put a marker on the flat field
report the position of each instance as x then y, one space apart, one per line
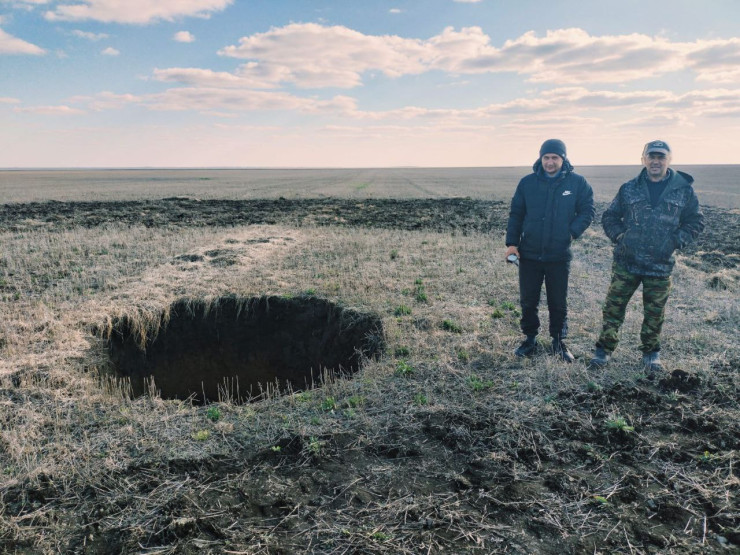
716 185
443 442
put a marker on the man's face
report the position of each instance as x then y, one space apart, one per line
656 164
551 163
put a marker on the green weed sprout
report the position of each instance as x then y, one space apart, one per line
419 292
402 310
329 404
404 369
451 326
477 384
213 414
619 424
201 435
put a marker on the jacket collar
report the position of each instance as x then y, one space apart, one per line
567 168
677 178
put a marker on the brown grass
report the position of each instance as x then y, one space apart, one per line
469 451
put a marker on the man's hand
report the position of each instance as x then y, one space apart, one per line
511 250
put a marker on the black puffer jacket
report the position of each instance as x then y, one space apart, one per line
645 237
546 216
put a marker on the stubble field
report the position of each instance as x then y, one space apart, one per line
444 442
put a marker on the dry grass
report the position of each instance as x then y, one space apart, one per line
464 449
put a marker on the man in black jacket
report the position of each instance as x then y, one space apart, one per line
551 207
652 215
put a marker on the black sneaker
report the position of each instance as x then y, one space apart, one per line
527 348
559 349
600 358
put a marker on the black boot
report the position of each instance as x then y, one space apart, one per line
559 349
527 348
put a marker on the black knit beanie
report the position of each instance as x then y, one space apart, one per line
553 146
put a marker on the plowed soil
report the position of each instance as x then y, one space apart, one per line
722 234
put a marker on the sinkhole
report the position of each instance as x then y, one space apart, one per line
239 348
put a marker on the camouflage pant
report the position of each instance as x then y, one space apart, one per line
655 291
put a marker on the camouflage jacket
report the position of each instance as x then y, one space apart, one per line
546 216
646 237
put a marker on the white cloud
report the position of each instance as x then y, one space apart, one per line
12 45
563 56
135 11
717 61
710 103
467 1
50 110
213 99
569 122
183 36
239 100
25 5
8 100
581 105
315 56
200 77
395 11
110 51
106 101
222 101
89 36
583 98
223 92
574 56
247 76
658 120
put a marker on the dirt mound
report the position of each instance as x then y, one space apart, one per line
237 348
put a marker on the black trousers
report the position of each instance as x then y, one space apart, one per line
555 275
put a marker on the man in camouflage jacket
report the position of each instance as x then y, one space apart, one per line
652 215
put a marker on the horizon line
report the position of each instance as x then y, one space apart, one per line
264 168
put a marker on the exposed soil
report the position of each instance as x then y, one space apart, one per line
233 348
722 233
417 479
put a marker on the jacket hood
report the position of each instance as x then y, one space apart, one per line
678 178
567 166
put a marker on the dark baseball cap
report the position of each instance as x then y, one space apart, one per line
657 146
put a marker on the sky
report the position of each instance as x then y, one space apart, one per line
365 83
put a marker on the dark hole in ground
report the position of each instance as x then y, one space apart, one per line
233 347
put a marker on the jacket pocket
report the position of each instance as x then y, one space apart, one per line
525 241
630 241
670 215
